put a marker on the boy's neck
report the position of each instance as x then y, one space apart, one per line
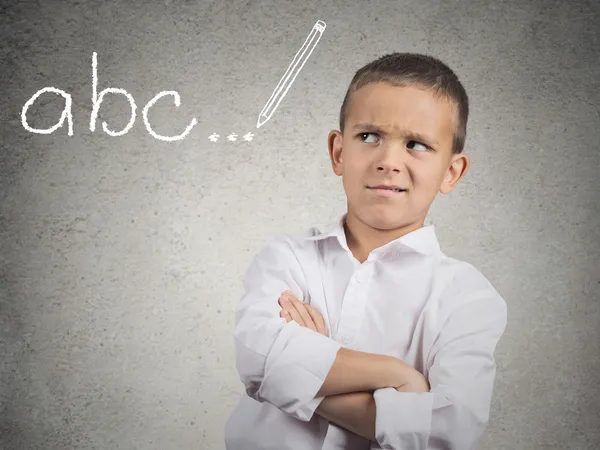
363 239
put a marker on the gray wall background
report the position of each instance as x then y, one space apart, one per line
122 257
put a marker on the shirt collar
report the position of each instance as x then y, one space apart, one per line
422 240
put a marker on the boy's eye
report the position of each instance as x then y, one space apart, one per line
411 144
418 143
363 137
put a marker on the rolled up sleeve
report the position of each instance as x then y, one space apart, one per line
462 370
280 363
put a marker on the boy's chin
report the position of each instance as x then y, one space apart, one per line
384 220
383 224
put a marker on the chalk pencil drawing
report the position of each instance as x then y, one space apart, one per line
291 73
277 96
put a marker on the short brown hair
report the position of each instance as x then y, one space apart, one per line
406 69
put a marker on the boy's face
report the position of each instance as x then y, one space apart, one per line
398 136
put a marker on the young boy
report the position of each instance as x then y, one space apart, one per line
369 336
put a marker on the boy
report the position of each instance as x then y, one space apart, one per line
368 336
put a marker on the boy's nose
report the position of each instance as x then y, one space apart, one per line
391 159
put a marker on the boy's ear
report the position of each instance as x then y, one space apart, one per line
456 171
335 143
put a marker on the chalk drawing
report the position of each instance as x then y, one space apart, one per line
277 96
291 73
232 137
97 101
66 113
177 102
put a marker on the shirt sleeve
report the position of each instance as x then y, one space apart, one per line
455 412
280 363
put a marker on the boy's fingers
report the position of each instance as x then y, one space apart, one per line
299 306
285 315
291 310
317 318
285 304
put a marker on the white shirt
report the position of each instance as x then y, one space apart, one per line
408 300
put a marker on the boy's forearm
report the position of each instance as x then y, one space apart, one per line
355 371
356 412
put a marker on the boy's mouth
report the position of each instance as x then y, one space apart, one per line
386 187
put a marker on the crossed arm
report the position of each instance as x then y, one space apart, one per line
293 365
349 385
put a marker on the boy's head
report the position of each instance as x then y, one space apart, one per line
403 122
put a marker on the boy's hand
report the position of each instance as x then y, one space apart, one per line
301 313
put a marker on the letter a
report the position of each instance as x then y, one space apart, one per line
66 112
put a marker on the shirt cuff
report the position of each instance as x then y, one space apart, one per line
403 419
296 372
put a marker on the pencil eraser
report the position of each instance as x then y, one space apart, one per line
320 25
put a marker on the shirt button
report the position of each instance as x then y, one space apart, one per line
346 340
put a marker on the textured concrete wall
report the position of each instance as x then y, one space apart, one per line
122 257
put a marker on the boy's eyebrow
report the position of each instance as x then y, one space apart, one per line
411 134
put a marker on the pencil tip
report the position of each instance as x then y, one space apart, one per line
260 122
